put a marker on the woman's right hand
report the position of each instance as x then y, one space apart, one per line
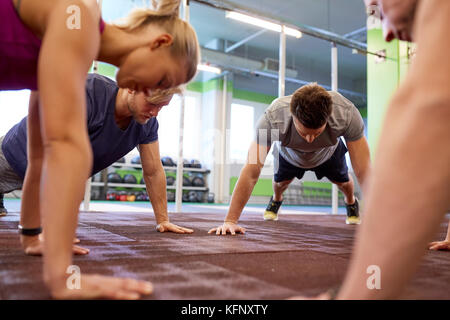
440 245
93 286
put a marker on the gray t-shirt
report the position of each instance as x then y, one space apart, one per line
276 125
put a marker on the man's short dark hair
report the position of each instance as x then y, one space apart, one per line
311 105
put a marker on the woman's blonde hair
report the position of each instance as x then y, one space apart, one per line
159 96
185 42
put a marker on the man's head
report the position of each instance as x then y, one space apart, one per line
311 106
143 107
397 17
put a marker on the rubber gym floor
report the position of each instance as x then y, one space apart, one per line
305 252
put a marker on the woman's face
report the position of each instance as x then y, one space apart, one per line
152 67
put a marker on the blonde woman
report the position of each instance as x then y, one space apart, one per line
48 46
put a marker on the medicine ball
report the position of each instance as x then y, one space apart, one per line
198 181
123 196
186 181
193 196
211 198
140 196
170 180
136 160
111 195
200 196
167 162
131 197
130 179
185 197
195 164
95 194
171 196
114 177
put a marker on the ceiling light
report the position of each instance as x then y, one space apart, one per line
207 68
262 23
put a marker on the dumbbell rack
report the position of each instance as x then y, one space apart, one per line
107 184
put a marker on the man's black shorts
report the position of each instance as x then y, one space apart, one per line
335 168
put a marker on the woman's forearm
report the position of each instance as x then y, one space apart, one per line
67 165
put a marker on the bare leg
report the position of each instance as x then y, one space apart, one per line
347 189
279 188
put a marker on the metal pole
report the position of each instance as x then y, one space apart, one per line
223 140
179 186
179 180
282 66
243 41
87 195
334 87
87 189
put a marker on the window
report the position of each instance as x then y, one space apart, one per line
169 128
14 106
241 131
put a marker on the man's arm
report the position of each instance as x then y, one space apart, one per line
415 139
360 158
247 179
155 181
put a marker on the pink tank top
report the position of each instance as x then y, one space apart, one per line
19 50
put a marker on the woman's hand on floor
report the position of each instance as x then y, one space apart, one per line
440 245
167 226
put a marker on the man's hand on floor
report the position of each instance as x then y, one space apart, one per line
167 226
227 227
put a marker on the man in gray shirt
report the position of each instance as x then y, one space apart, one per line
306 128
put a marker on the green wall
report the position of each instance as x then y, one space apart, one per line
262 188
383 79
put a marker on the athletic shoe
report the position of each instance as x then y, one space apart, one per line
271 212
3 210
353 213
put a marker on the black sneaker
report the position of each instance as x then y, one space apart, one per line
271 212
3 210
353 213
